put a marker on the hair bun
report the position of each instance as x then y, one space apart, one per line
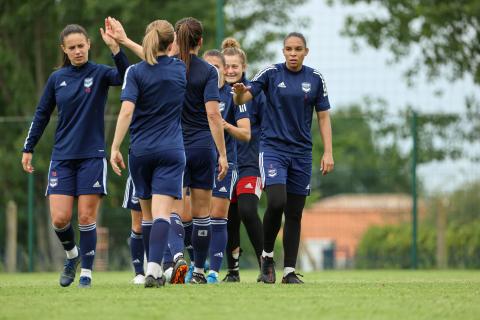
230 43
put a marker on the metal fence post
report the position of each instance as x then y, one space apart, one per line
414 191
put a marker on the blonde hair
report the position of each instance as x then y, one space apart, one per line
158 36
231 47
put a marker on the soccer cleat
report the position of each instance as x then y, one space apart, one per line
84 282
139 279
198 278
152 282
189 274
69 269
292 278
179 271
268 270
232 276
212 278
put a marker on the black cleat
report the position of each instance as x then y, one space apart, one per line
151 282
69 269
292 278
179 272
198 278
232 276
268 270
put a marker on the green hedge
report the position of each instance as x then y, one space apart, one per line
390 247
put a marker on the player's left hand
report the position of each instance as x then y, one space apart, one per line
327 163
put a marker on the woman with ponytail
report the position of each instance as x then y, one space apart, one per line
79 89
248 189
202 135
152 100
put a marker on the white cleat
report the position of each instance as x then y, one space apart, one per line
139 279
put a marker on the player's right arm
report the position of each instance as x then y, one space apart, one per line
40 121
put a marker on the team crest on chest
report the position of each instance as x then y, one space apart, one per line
87 83
306 87
221 106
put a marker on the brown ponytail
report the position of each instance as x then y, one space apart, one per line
189 32
159 35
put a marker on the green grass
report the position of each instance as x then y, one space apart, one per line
326 295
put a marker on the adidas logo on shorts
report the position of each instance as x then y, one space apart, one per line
248 186
223 189
97 185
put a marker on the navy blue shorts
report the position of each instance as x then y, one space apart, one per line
226 187
77 177
158 173
200 168
130 201
293 171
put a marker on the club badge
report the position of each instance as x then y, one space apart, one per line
306 87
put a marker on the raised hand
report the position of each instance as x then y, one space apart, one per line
109 41
114 29
240 88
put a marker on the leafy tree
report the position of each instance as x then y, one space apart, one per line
445 33
366 160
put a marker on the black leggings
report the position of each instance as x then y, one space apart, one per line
278 202
245 210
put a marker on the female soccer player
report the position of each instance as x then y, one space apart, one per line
152 98
79 89
248 190
292 90
237 126
202 132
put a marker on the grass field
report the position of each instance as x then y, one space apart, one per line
326 295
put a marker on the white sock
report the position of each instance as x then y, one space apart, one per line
267 254
236 255
288 270
72 253
198 270
86 273
154 269
177 255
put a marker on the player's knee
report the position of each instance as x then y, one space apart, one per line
60 222
87 217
